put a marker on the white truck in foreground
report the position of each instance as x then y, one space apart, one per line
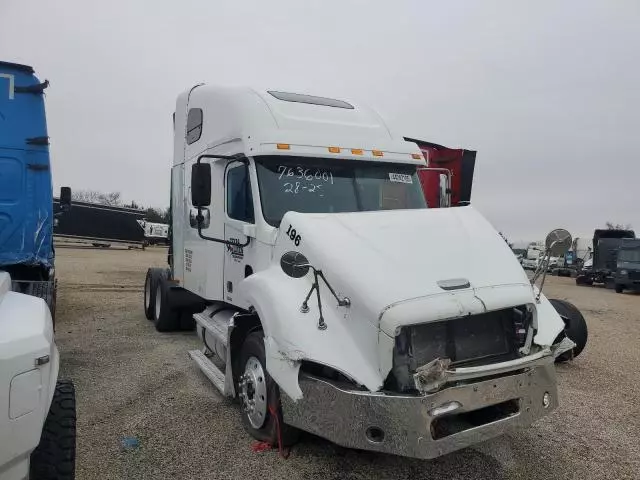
297 244
37 412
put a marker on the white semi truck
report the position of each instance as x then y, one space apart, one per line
297 244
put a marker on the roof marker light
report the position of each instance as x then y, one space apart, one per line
416 156
356 151
334 149
377 153
283 146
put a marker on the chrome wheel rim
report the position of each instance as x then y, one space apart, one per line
253 392
158 301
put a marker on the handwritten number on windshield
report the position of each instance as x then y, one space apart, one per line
311 180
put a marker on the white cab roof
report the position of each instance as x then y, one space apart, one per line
253 122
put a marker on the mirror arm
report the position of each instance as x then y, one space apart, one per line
200 219
342 302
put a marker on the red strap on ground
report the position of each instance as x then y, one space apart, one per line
284 452
259 447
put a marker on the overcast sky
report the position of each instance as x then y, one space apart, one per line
548 92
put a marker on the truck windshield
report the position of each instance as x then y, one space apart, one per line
313 185
631 256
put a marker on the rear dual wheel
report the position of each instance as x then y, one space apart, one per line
154 275
157 307
165 318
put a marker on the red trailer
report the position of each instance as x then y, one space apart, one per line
448 178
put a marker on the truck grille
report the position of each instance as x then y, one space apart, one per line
634 275
472 340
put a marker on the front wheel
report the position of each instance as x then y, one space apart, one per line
55 456
260 396
575 327
619 288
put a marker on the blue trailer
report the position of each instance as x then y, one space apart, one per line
26 198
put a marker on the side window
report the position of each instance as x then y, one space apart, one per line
194 125
239 198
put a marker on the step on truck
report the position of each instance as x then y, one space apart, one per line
37 410
328 298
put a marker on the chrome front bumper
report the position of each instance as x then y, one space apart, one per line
412 425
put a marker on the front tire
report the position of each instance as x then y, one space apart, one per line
575 327
260 396
55 456
619 288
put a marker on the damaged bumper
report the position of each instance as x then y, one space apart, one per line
426 425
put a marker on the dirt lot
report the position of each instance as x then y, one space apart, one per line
134 382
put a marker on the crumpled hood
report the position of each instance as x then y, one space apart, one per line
389 259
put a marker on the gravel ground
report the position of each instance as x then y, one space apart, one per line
134 382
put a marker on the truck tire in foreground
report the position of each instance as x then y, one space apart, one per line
55 455
260 396
575 327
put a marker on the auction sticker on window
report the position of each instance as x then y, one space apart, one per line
400 178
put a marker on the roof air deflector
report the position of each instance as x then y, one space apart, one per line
311 99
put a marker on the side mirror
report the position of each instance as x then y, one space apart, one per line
65 198
294 264
558 242
201 185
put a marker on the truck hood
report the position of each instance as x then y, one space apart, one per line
447 262
397 268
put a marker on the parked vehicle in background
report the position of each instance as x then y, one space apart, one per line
606 243
329 299
155 233
534 252
447 179
100 224
627 274
37 412
26 214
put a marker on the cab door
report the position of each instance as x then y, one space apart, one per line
239 261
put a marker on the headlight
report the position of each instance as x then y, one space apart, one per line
623 272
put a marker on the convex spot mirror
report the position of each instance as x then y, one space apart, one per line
201 185
294 264
558 242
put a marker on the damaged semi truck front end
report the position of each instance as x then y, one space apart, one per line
417 359
328 297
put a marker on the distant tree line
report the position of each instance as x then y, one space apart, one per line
114 199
